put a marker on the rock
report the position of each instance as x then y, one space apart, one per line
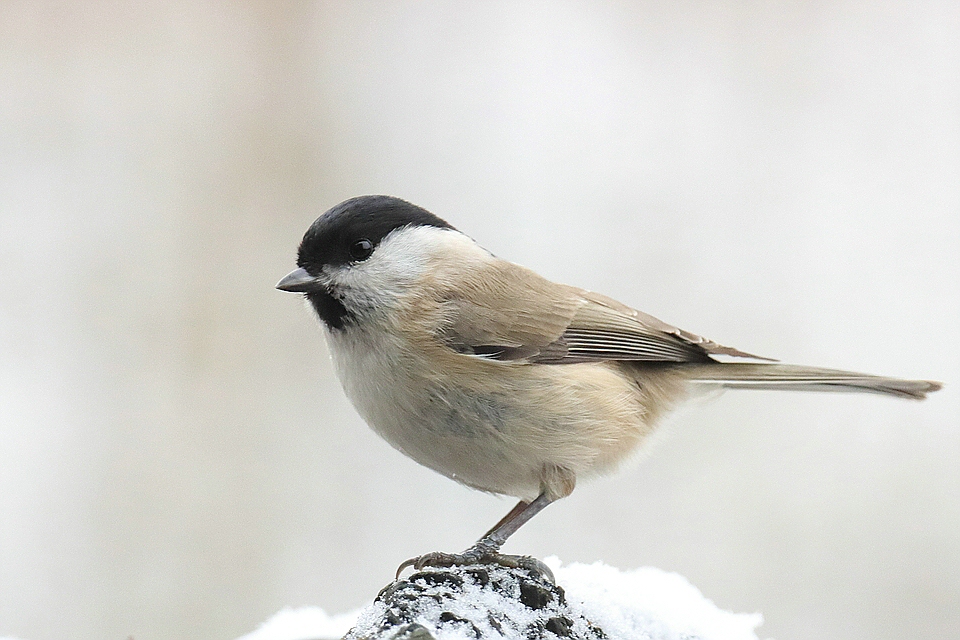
477 601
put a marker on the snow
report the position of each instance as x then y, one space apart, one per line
648 602
303 623
643 603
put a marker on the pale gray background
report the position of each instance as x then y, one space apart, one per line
177 460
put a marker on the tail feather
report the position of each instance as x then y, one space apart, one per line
800 378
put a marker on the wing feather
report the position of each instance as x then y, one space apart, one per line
510 313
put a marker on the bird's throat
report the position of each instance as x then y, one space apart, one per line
329 308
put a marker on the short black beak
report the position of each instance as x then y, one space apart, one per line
298 281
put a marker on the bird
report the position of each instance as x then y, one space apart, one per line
498 378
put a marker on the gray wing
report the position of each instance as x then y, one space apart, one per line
518 316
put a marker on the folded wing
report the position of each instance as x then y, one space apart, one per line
513 314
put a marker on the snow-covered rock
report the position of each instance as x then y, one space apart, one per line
589 602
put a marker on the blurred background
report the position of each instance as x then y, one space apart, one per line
176 456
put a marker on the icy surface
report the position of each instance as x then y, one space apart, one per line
644 603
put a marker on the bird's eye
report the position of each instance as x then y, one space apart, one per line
361 249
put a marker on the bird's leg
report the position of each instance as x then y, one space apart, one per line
487 548
517 517
520 506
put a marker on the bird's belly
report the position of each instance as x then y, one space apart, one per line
490 425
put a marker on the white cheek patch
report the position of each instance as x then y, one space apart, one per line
397 264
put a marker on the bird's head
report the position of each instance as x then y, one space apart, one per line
357 254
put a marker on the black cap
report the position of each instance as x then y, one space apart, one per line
372 218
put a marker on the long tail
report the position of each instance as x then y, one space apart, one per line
737 375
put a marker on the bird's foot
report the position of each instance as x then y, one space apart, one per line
478 554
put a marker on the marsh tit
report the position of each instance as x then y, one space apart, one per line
498 378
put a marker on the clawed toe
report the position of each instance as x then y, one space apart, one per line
478 555
437 559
